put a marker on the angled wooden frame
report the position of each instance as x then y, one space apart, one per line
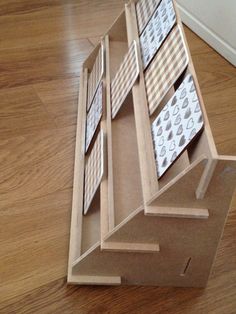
141 230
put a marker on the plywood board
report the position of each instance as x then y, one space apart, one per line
189 246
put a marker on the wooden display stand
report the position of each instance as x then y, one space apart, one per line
141 230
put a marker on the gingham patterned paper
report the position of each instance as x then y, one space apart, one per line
94 169
94 115
166 68
157 30
95 76
144 10
124 79
177 125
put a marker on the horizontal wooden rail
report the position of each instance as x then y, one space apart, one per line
95 280
130 247
177 212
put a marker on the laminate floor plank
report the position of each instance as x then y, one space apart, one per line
34 240
42 63
26 23
60 99
36 164
22 112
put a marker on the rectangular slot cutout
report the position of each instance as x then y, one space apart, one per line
186 267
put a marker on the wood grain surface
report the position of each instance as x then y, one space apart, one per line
42 46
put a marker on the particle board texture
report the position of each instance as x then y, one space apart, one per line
43 45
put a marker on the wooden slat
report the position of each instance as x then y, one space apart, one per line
96 280
77 202
177 212
143 129
130 247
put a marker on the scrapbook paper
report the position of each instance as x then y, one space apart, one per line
94 169
144 10
94 115
157 30
177 125
124 79
167 66
95 76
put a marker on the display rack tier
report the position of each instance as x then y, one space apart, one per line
141 229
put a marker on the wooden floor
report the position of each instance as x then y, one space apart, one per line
42 46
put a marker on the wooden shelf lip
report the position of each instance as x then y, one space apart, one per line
143 128
77 203
178 212
94 280
131 247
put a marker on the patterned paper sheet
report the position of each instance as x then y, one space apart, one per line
95 76
177 125
94 115
157 30
145 9
124 79
167 66
94 169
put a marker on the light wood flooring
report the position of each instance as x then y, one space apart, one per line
42 46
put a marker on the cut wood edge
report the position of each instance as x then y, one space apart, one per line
92 57
110 209
77 198
205 179
174 181
208 173
144 138
94 280
227 157
120 225
130 247
81 257
178 212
